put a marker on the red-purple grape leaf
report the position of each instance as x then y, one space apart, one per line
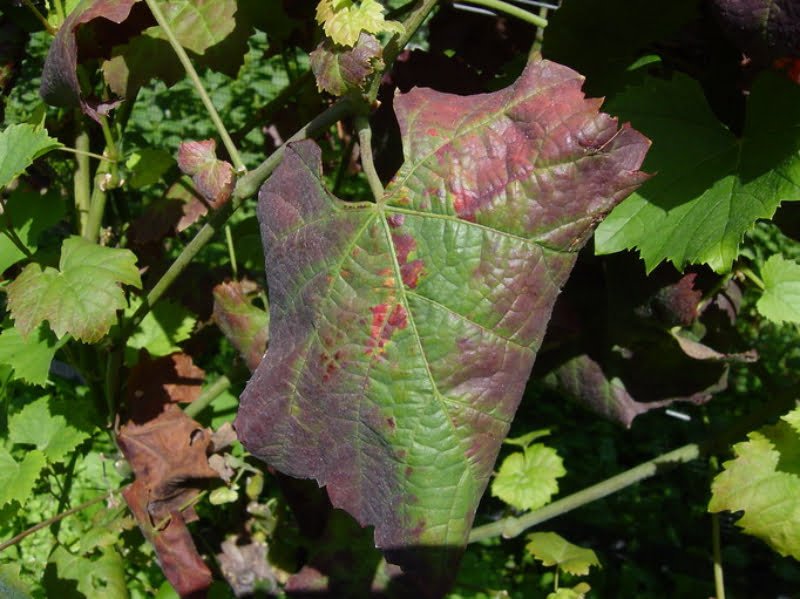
403 331
60 85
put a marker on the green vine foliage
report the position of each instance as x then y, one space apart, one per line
472 254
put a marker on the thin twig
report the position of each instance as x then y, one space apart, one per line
198 85
367 162
37 527
512 527
83 153
40 17
719 581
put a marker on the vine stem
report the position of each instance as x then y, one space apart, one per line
79 152
367 162
46 523
719 581
515 526
512 10
212 392
192 73
40 17
82 179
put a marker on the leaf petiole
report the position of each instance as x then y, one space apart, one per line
513 11
367 162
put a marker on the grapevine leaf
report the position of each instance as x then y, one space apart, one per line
709 192
38 424
764 481
245 325
166 325
528 479
168 455
30 356
339 71
17 478
20 145
214 178
60 86
344 20
81 297
781 299
577 592
100 576
29 214
402 332
554 550
147 166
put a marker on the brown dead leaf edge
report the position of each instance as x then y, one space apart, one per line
169 456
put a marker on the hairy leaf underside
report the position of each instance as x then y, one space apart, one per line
403 331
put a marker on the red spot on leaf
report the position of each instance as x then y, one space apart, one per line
396 220
411 272
384 324
465 206
403 246
432 132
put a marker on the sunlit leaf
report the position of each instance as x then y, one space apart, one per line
341 70
710 187
81 297
344 20
763 481
49 432
402 332
30 214
554 550
98 577
528 479
780 301
164 327
17 478
30 356
20 145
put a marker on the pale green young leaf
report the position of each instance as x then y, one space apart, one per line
709 187
344 20
554 550
81 297
780 301
17 478
101 577
30 356
36 424
29 213
528 479
164 327
528 438
20 145
577 592
763 481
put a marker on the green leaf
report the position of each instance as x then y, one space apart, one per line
81 297
763 480
30 356
17 478
100 577
30 214
146 166
577 592
709 187
554 550
37 424
780 301
20 145
165 326
528 479
344 20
